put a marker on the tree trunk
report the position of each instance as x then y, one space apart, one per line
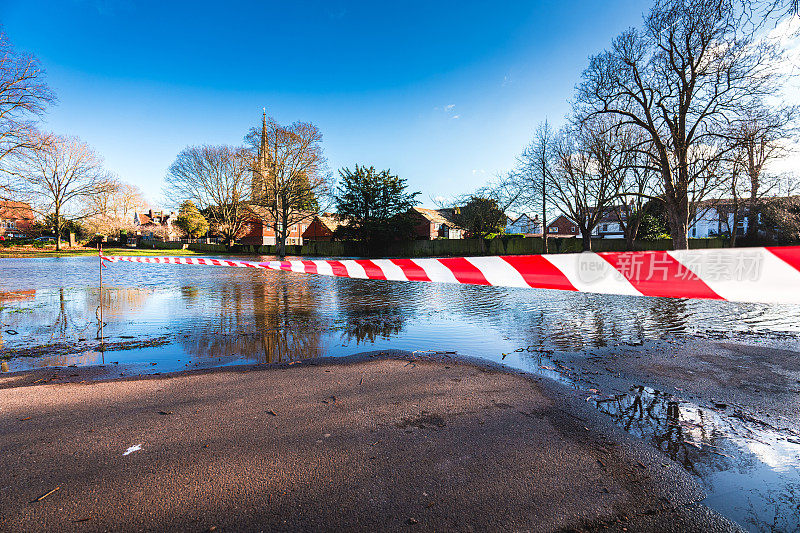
630 238
58 229
680 239
281 249
752 216
544 222
586 240
734 224
678 216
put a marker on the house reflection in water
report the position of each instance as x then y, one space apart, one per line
657 416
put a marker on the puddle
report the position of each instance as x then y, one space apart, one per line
751 472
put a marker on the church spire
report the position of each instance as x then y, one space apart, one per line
263 147
258 184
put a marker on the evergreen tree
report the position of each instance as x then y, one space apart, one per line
480 216
191 220
375 205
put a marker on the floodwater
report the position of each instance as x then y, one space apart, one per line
160 318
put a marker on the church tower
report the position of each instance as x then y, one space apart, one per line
261 168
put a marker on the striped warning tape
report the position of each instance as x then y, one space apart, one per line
741 274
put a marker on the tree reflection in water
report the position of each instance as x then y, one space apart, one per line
268 322
654 414
372 310
369 327
750 471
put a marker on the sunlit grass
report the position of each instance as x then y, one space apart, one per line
30 251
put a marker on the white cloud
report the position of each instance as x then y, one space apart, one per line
449 110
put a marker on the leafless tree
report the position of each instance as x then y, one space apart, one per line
217 180
535 170
586 176
505 192
680 80
290 179
759 138
637 185
23 98
59 176
114 208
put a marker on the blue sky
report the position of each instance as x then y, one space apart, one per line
446 94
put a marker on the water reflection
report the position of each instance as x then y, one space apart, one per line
752 471
217 313
652 414
371 311
268 324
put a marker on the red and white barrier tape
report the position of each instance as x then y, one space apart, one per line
739 274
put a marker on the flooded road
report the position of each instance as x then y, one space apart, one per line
161 318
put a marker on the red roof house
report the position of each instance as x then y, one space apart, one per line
16 218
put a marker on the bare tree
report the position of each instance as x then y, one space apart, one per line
637 185
217 180
759 138
290 180
680 80
114 207
586 177
23 98
535 171
59 176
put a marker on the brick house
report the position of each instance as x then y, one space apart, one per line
259 230
562 227
430 224
322 227
16 219
156 225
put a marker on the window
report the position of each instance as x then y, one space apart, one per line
573 229
553 230
604 227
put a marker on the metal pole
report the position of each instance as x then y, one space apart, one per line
100 256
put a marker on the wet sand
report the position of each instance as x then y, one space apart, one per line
359 443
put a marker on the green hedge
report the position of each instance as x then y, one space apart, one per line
454 247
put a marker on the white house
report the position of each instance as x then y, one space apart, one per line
524 223
715 219
609 226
